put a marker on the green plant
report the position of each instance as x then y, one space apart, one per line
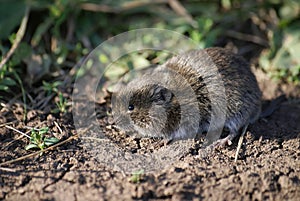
9 78
5 81
62 104
39 141
136 176
51 87
282 60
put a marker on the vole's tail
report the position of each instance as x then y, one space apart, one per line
272 106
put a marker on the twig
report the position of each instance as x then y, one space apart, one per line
240 143
98 8
126 6
135 4
180 10
7 169
5 124
9 127
14 100
32 128
60 130
19 36
44 102
247 37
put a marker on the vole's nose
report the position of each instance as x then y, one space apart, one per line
119 121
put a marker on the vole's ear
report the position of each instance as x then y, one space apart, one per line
160 94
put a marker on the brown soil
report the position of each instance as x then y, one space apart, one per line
268 167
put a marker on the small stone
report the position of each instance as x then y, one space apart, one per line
70 176
284 180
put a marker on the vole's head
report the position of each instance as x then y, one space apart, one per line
151 110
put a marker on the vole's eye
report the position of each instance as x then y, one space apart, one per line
131 107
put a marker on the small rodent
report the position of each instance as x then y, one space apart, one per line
156 109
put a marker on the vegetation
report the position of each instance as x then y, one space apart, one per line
39 141
136 176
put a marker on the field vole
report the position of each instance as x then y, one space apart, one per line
178 99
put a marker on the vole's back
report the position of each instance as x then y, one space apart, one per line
207 71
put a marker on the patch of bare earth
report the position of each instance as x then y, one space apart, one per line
268 167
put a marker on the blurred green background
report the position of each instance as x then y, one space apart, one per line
42 40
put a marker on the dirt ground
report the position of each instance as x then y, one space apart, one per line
268 167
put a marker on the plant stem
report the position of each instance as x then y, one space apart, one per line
9 127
